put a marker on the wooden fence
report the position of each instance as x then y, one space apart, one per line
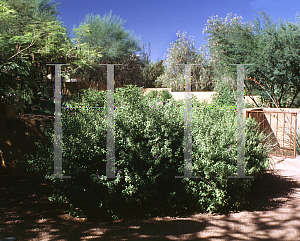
280 127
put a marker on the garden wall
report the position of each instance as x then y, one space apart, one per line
146 90
207 95
69 88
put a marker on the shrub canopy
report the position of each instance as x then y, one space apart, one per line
149 152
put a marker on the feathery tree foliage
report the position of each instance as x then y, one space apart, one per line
277 60
183 51
24 40
273 48
118 45
31 36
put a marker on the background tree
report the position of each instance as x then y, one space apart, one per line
277 65
27 26
117 43
151 72
140 71
148 71
229 42
271 47
81 64
131 72
183 51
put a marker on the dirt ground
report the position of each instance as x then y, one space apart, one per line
273 214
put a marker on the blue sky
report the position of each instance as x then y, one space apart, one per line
158 21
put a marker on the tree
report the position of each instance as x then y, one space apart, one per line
183 51
108 33
271 47
277 60
31 37
26 26
229 42
130 73
140 71
83 49
145 72
151 72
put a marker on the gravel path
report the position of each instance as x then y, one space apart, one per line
274 214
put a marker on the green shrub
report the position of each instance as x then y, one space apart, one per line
93 98
165 95
224 95
160 95
149 144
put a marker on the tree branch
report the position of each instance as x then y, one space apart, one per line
265 91
251 96
293 99
32 43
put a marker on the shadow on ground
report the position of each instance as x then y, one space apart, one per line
27 214
269 191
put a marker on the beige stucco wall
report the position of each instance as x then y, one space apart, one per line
71 87
146 90
201 96
207 95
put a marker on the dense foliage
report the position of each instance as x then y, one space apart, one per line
272 48
149 136
30 36
149 140
162 95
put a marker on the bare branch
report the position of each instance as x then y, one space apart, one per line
251 96
274 101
